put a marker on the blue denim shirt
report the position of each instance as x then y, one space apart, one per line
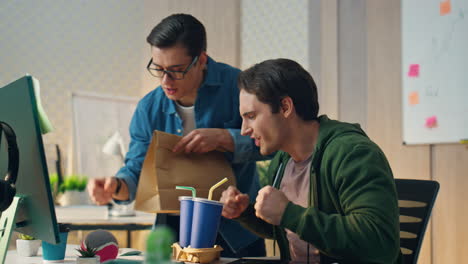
216 106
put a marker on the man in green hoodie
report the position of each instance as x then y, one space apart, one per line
329 194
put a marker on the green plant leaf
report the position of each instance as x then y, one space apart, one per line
53 178
88 252
262 169
26 237
82 184
74 183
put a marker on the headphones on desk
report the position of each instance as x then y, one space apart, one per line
7 186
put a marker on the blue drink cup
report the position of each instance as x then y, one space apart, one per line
205 222
55 253
185 227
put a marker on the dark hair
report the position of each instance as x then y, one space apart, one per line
179 29
273 80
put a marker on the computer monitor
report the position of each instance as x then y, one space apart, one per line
32 211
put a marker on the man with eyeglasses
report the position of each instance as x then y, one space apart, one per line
198 99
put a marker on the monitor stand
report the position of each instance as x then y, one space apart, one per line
7 225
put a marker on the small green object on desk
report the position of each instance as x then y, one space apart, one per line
131 253
124 261
158 245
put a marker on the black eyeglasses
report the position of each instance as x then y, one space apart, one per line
175 75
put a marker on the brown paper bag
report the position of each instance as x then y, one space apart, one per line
163 170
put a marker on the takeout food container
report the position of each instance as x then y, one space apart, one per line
196 255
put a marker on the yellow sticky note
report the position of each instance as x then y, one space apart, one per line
413 98
445 8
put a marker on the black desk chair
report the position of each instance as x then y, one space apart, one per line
415 199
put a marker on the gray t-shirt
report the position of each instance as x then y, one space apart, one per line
296 186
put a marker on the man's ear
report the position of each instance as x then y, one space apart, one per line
287 106
203 59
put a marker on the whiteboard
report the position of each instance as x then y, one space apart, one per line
95 119
434 71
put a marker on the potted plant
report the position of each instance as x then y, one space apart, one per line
72 191
27 246
55 184
87 255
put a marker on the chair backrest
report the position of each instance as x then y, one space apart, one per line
415 199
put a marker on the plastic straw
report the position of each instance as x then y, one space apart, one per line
194 192
210 194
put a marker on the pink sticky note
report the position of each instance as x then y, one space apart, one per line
413 70
431 122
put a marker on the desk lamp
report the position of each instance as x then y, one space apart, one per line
115 146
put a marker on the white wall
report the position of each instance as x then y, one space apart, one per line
98 47
71 46
274 29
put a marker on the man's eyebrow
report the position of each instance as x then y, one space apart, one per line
248 113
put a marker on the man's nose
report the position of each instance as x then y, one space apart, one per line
166 79
245 130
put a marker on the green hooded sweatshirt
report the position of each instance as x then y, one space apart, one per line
353 214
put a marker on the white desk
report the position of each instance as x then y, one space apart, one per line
141 221
70 257
76 217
